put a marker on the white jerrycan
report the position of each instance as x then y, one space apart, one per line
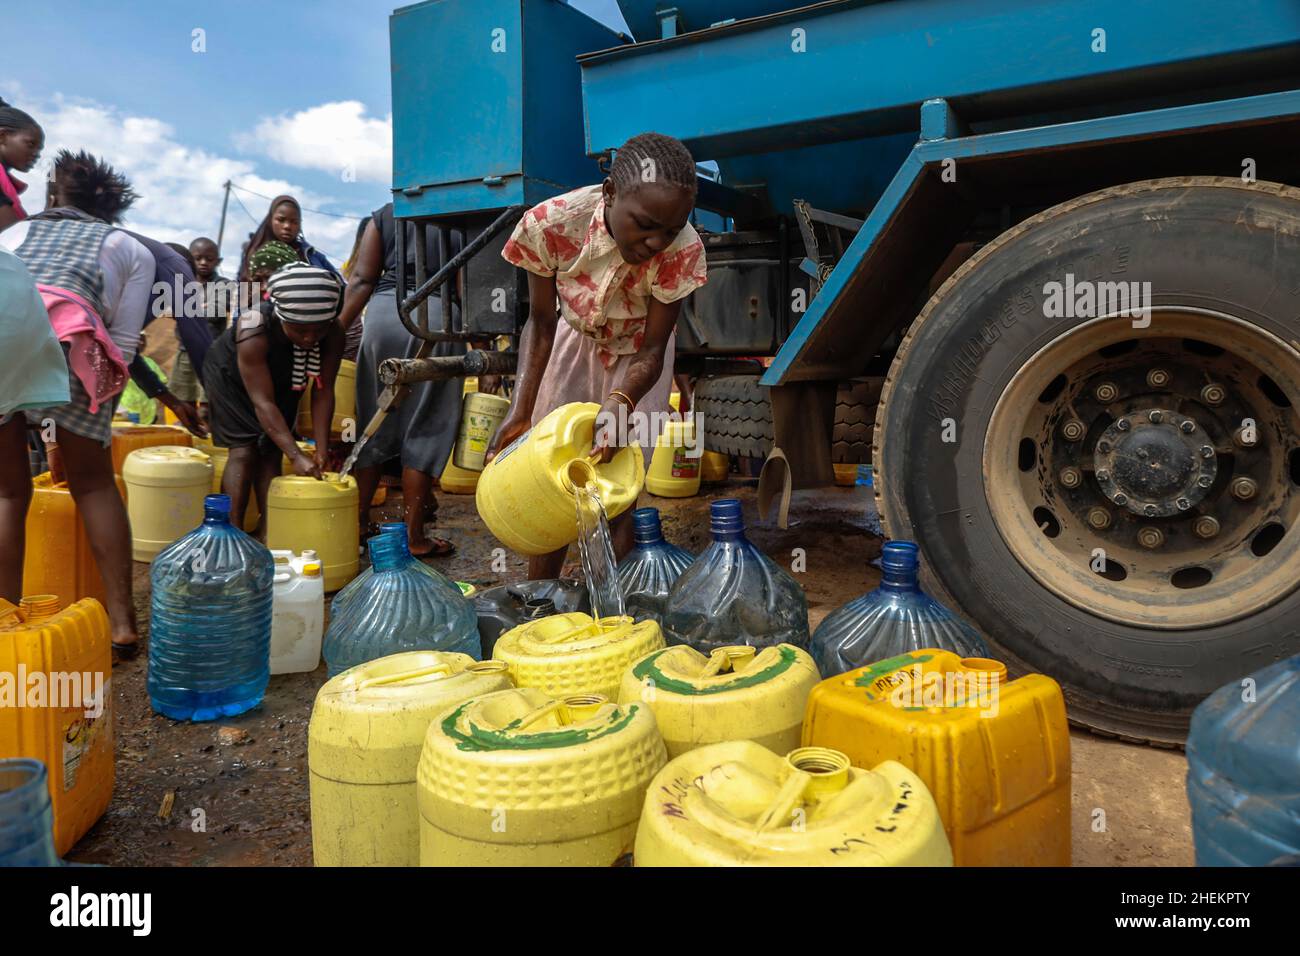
297 612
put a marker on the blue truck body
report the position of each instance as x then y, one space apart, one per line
854 155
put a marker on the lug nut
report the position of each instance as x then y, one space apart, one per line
1183 504
1070 477
1157 378
1119 498
1103 446
1244 488
1206 526
1122 424
1188 427
1204 481
1245 437
1154 416
1151 537
1099 518
1103 474
1107 392
1149 510
1213 394
1073 430
1207 451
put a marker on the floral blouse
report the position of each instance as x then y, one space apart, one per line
600 295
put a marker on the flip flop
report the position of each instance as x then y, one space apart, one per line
125 652
441 548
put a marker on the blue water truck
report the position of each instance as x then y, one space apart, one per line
1037 261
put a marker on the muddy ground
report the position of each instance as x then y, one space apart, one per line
234 792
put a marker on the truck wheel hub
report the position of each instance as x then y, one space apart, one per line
1153 464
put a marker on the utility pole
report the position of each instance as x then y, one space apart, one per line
221 230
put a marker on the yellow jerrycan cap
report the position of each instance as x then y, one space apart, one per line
575 654
738 803
736 693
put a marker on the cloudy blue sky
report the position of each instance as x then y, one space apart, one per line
285 97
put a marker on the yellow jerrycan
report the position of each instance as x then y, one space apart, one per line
457 481
58 559
307 513
345 402
525 494
675 466
129 437
736 693
363 746
739 804
714 466
573 654
481 415
165 488
517 778
58 709
994 753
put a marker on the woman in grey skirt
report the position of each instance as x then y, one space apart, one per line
422 429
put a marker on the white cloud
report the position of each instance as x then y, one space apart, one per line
332 137
180 186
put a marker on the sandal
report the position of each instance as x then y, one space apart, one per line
125 652
438 548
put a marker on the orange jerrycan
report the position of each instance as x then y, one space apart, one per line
58 559
994 753
56 704
129 437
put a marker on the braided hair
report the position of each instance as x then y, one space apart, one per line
91 185
653 158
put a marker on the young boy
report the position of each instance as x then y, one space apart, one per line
614 260
218 302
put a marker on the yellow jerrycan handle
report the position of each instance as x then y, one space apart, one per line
427 674
730 658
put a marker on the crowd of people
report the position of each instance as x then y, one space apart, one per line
77 290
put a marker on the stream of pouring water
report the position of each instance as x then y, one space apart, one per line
597 550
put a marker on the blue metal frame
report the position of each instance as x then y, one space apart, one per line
933 151
867 66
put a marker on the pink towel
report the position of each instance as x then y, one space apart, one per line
92 356
10 188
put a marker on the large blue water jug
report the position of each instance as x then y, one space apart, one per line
895 618
1243 770
359 582
651 568
734 594
210 628
26 818
403 606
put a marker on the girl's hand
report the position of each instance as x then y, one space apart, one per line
512 426
305 467
605 439
321 457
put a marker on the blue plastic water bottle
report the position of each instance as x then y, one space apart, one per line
210 632
1243 770
895 618
403 606
26 819
651 568
734 594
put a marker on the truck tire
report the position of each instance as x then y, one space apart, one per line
1081 482
855 419
736 415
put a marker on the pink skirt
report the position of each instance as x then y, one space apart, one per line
575 374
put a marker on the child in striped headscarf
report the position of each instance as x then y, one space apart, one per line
256 370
